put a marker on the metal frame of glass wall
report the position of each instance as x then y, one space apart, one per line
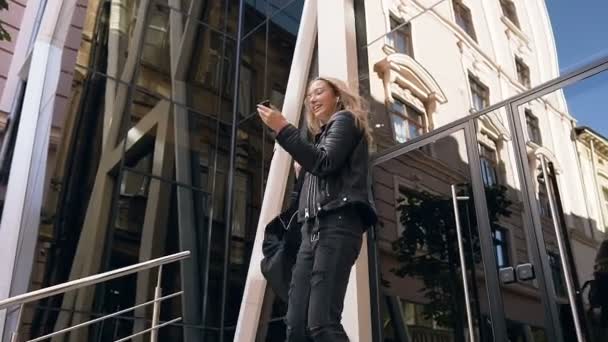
545 281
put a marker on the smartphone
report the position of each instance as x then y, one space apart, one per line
265 103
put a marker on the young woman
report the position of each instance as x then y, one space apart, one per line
335 206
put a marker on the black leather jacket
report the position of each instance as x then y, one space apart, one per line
336 165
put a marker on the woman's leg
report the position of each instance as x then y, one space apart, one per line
336 250
299 291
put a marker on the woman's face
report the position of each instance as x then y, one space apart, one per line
321 100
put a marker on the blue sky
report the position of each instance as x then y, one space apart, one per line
581 35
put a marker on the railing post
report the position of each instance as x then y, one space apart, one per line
15 334
156 310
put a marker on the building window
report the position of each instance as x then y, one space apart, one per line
499 237
543 196
480 94
246 91
533 127
543 201
508 9
464 18
401 38
156 46
557 273
523 72
489 164
208 70
408 122
415 317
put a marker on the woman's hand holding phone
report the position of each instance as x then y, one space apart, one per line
271 116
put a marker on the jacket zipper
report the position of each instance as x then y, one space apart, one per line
307 207
314 197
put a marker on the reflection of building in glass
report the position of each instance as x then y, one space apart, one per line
142 152
478 55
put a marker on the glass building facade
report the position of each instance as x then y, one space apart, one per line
157 107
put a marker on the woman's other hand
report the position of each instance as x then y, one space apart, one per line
272 118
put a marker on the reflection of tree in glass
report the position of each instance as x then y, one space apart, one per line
3 33
428 248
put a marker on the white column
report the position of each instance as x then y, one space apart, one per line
21 216
24 41
338 58
255 285
117 40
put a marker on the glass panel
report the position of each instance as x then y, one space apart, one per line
569 23
143 178
522 299
267 58
145 226
421 274
211 74
568 157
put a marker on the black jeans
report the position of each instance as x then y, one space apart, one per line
320 277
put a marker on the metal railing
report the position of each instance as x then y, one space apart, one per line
22 300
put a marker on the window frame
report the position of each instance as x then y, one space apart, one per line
480 90
523 72
404 33
509 11
406 117
464 18
210 78
533 127
489 162
154 53
605 201
504 246
543 194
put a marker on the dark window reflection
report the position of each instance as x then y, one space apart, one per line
533 127
523 72
557 273
208 67
489 164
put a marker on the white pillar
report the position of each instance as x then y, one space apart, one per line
117 41
338 59
255 285
21 215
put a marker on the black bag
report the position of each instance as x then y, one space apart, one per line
280 248
282 239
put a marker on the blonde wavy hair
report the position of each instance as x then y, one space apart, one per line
349 100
